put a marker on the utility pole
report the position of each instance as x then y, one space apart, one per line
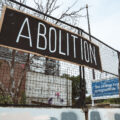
89 30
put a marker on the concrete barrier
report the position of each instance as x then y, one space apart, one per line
41 114
104 114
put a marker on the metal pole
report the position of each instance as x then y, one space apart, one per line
82 81
119 71
89 30
80 85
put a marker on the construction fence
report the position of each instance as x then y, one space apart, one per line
27 79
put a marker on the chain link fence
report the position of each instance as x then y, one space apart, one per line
47 82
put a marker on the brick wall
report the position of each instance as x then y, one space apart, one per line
5 74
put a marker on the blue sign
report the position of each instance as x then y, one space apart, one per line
105 88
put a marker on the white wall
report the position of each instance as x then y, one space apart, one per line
104 114
41 87
10 113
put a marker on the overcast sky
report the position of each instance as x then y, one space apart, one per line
104 18
105 21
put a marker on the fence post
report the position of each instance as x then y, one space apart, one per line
119 70
82 82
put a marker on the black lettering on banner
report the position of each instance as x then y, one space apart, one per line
30 34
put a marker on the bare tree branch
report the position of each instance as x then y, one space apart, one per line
39 5
72 14
20 7
49 7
